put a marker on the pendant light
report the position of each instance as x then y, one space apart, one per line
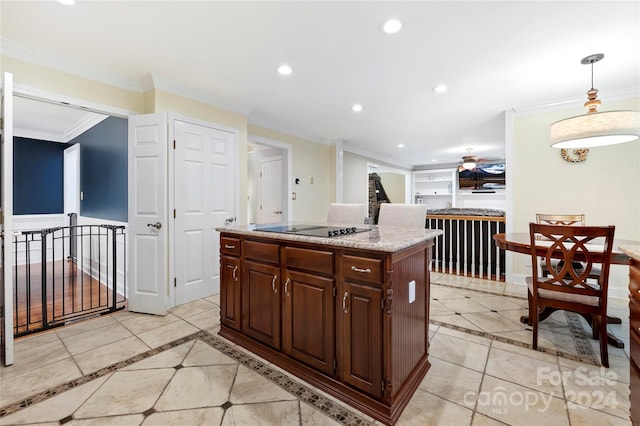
595 128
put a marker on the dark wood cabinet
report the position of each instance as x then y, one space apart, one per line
308 330
634 339
261 302
353 322
230 287
230 292
361 338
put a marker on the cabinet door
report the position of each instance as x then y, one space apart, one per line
230 292
361 359
261 302
308 320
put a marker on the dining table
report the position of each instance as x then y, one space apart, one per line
520 242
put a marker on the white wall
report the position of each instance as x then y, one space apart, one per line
394 186
606 187
355 179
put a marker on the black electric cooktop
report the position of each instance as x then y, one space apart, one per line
313 230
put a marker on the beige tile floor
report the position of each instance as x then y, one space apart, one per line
132 369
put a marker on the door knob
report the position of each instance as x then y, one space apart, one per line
156 225
278 212
230 220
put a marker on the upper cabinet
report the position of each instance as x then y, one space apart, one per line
436 188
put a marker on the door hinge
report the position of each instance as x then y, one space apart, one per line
174 144
382 387
175 282
335 291
335 365
174 213
382 304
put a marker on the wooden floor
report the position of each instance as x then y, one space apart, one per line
71 295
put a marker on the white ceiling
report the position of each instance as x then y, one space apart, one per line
494 56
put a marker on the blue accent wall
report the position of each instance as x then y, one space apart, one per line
103 170
38 176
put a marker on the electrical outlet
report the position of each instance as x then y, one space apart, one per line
412 291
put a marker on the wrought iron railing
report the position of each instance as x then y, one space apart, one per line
66 274
466 246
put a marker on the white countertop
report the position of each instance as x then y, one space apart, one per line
385 238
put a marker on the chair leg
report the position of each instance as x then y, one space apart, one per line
532 308
604 341
533 320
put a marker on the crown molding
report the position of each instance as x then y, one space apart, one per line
68 65
268 124
376 157
153 81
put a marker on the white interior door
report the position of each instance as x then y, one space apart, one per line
204 198
148 285
6 152
271 190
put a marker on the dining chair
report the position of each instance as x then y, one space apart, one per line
567 220
567 289
408 215
342 214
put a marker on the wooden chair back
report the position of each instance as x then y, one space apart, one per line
564 285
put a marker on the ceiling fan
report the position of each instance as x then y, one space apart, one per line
470 161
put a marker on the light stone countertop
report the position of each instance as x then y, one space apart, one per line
386 238
631 250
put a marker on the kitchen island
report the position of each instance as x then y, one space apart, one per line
348 313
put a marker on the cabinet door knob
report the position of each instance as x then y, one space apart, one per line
344 302
234 273
273 284
286 287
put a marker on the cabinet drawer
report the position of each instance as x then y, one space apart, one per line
634 283
230 246
264 252
362 269
310 260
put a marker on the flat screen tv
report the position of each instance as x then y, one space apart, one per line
484 177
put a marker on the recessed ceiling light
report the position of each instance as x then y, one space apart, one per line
67 2
285 69
357 108
434 160
391 26
440 88
400 145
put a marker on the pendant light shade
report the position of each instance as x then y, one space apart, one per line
595 128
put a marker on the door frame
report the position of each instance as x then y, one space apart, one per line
287 170
6 155
172 118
